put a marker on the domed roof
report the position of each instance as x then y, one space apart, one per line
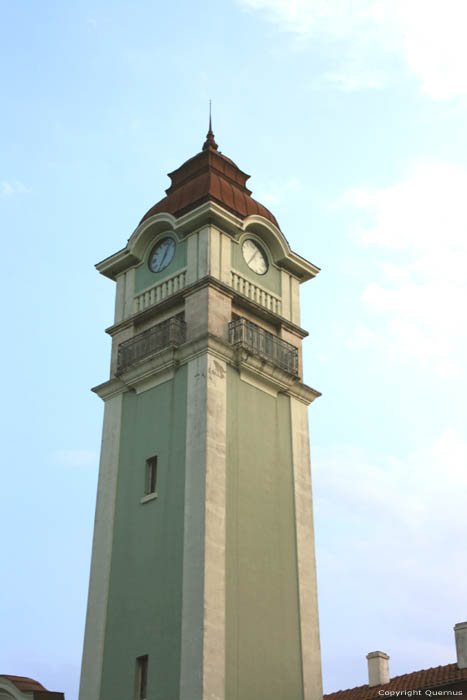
209 176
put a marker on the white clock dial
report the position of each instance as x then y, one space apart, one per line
254 256
161 255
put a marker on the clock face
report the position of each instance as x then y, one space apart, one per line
162 254
255 257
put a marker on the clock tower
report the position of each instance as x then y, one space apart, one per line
203 581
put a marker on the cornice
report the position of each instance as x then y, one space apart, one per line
113 387
162 366
296 265
117 263
208 281
208 213
273 376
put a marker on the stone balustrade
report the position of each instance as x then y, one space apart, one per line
256 293
159 291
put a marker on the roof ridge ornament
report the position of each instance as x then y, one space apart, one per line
210 142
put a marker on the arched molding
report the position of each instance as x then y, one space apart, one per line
148 232
269 233
209 212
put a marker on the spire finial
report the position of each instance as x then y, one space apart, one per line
210 143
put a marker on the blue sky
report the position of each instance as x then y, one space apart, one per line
350 117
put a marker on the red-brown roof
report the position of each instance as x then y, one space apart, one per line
36 689
25 684
428 678
209 176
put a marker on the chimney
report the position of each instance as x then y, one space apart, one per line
460 633
378 668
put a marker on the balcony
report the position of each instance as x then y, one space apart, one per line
247 335
169 333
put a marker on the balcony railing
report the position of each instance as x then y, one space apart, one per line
248 335
169 333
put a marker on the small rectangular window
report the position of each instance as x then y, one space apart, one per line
141 677
151 476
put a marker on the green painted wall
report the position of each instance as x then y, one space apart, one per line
144 609
143 275
262 612
271 280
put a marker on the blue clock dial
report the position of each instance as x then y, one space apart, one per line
162 254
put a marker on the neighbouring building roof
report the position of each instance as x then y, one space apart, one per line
436 677
23 683
209 176
29 685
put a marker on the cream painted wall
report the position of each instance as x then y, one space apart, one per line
203 608
91 670
308 591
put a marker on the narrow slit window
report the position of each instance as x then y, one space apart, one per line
141 677
151 476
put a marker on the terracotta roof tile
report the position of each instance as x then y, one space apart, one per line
428 678
209 176
27 685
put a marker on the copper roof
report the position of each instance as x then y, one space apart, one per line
209 176
428 678
28 685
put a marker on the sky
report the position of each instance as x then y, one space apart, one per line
350 117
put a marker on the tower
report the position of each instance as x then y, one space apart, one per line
203 582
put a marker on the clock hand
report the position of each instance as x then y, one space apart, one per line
165 254
253 256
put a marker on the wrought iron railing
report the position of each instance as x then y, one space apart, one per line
248 335
169 333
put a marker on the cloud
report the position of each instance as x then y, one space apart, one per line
274 194
427 36
421 223
339 18
398 518
76 458
351 81
10 189
433 35
428 483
